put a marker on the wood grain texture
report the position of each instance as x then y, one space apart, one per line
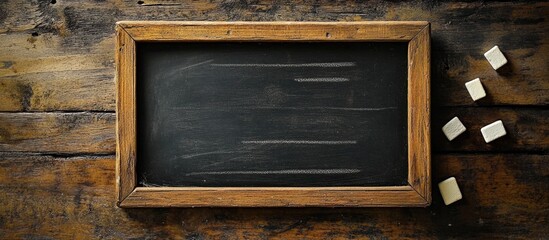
35 75
126 126
57 132
419 113
272 31
274 197
77 201
66 90
527 129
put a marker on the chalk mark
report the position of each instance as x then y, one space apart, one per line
195 65
179 70
327 79
287 108
282 65
298 142
187 156
289 171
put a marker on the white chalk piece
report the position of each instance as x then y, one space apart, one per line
493 131
453 128
495 57
475 89
449 190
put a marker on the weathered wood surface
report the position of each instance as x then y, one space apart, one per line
527 129
126 114
58 56
74 198
419 119
57 132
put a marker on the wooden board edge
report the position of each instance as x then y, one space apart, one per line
252 189
146 197
419 113
130 23
125 114
272 31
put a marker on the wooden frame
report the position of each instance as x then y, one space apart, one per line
418 191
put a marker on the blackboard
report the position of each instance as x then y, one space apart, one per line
271 114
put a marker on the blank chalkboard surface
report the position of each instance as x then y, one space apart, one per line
249 114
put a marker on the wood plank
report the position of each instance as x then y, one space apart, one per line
57 132
94 132
126 126
379 31
55 64
51 91
419 113
65 34
23 15
274 197
25 53
517 83
502 199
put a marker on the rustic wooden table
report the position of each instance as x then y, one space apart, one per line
57 104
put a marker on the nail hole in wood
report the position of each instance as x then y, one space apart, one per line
35 34
140 2
328 35
229 32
